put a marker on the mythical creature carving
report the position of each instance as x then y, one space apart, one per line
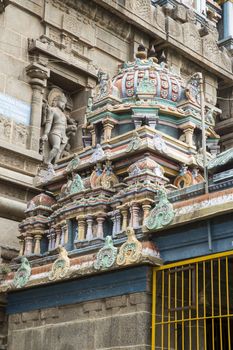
162 214
23 273
103 177
60 266
73 164
131 251
58 127
106 256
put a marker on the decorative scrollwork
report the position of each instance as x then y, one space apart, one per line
130 251
106 256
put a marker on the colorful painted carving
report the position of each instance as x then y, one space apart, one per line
60 266
162 214
106 256
104 178
130 251
187 178
23 273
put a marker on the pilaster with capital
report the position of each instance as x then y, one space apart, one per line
81 227
89 235
39 75
108 125
37 238
100 230
28 245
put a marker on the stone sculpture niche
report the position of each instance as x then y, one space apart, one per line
58 127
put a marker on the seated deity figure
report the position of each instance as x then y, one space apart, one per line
55 129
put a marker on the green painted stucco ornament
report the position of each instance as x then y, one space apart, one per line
77 184
162 214
106 256
23 273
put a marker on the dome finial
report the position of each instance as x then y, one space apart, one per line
141 53
152 54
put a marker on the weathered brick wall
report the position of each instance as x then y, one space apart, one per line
119 323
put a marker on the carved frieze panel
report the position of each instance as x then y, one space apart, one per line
210 49
80 29
141 8
12 132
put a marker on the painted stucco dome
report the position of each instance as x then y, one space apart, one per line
42 201
145 76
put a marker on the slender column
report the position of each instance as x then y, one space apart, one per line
228 19
93 135
28 245
118 221
39 75
81 228
53 240
58 236
21 244
108 125
124 213
134 210
100 231
113 218
49 236
89 235
189 136
37 244
146 210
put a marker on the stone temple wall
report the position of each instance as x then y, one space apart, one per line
120 323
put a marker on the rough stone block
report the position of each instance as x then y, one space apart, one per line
2 82
92 306
30 316
120 301
139 298
49 313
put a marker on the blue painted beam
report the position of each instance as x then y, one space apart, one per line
115 283
192 240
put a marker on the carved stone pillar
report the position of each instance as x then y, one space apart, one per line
58 236
37 244
134 218
93 135
81 228
118 221
53 240
89 235
39 75
100 231
108 125
146 210
189 136
124 213
21 244
113 218
50 240
28 245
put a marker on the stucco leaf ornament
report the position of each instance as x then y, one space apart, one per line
135 143
60 266
162 214
159 143
73 164
106 256
77 184
130 252
23 273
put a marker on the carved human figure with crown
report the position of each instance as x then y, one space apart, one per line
57 129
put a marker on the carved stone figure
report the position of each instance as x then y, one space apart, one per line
162 214
23 273
60 266
58 128
106 256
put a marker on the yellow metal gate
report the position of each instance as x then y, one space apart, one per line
192 304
